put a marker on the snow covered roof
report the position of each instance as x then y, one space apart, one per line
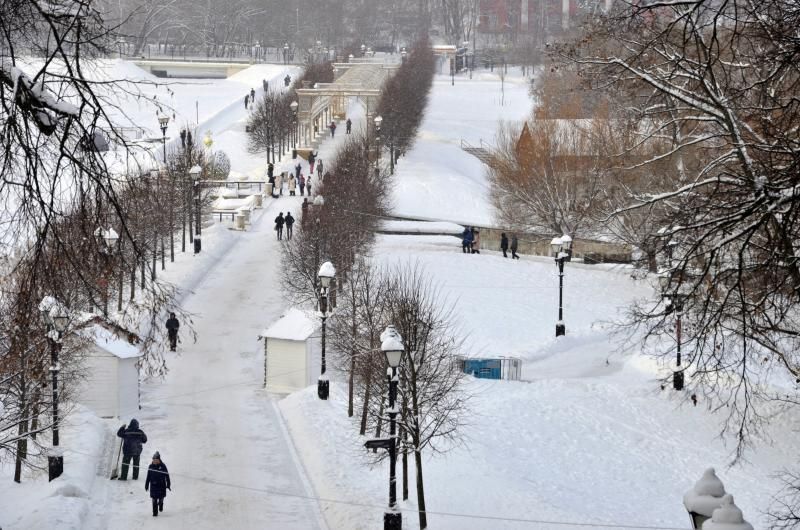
110 342
295 324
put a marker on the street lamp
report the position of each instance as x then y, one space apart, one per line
703 498
378 121
286 53
207 140
326 274
403 55
57 319
562 250
293 105
195 174
258 51
392 347
163 121
363 49
673 300
107 241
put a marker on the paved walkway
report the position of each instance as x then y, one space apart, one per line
216 429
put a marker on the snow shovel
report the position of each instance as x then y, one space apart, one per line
115 471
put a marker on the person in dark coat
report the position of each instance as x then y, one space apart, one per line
504 244
183 138
302 183
311 159
308 184
157 482
297 170
172 331
279 225
514 244
287 80
289 220
476 241
253 95
466 241
246 100
270 170
132 439
349 125
304 210
332 127
319 169
265 85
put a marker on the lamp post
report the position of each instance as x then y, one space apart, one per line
674 300
286 53
258 51
163 121
562 250
57 320
195 174
326 274
378 121
293 105
392 347
403 55
107 241
703 498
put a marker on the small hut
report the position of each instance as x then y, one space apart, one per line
109 371
291 352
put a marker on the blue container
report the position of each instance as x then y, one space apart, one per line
483 368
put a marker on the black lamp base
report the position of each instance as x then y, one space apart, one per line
197 245
561 330
323 387
677 380
392 521
55 467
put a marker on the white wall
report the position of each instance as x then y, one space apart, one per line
128 387
98 389
286 365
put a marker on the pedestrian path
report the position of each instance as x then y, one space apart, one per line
215 427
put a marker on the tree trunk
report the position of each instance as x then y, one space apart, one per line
423 518
365 405
403 436
22 442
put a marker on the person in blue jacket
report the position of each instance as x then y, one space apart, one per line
158 483
466 241
132 439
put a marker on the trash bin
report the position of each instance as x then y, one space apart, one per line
294 154
197 245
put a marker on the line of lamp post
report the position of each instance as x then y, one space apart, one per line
326 275
57 319
674 300
562 250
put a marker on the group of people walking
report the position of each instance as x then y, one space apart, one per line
157 481
282 221
471 242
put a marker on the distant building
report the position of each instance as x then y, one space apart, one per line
535 19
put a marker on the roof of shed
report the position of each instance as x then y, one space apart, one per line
295 324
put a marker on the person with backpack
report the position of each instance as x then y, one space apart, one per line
466 241
132 439
279 225
172 331
157 482
514 247
289 220
504 244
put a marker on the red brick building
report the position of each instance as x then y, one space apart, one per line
527 17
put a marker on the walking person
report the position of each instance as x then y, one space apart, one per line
466 241
158 483
332 127
253 95
270 170
172 331
289 220
265 85
278 189
319 169
292 184
349 125
303 211
132 439
302 185
279 225
514 244
476 241
504 244
308 185
246 100
311 159
297 170
287 80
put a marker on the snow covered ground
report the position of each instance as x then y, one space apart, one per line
580 440
436 179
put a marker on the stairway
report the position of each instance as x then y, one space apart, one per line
481 153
